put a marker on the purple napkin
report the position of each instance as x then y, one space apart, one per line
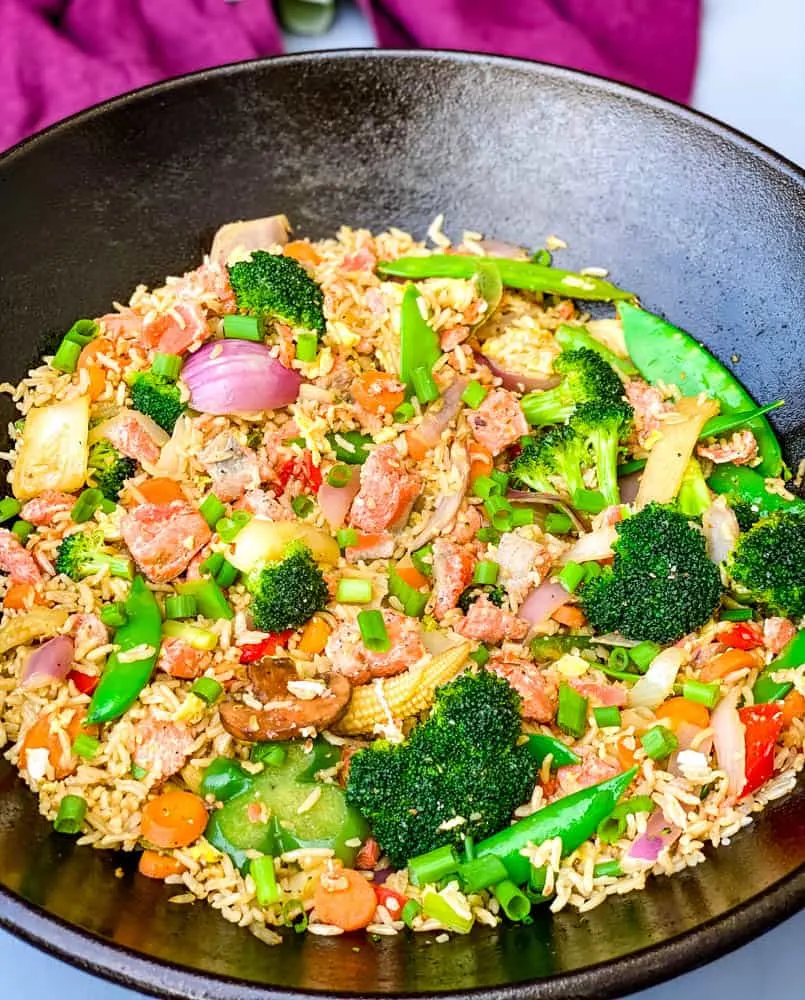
60 56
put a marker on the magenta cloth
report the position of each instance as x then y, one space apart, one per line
59 56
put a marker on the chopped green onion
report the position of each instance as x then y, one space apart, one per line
82 332
265 880
522 516
198 638
66 357
302 505
207 688
9 507
537 877
642 654
85 746
443 909
353 590
70 816
227 574
589 501
404 412
513 902
608 869
373 631
572 714
297 442
238 327
425 385
180 606
430 867
702 694
351 447
114 615
542 257
485 487
423 559
137 772
481 873
413 601
486 572
469 846
591 570
491 535
474 395
167 365
500 512
22 529
613 827
618 659
480 655
211 509
607 715
571 576
339 475
307 347
86 505
209 597
501 478
410 912
212 564
557 523
229 528
736 614
346 537
108 506
659 742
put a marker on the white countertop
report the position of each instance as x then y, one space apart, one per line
752 76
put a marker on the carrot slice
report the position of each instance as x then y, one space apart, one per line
349 908
727 663
160 490
152 864
18 596
481 463
173 819
314 637
411 575
42 737
86 362
677 710
626 756
569 615
375 390
302 252
793 707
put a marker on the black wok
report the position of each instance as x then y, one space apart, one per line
708 227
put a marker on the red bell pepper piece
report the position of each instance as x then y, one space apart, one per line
266 647
301 469
741 636
85 683
392 900
762 727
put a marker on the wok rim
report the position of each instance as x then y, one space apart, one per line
614 978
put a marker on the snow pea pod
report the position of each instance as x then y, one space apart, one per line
664 353
419 343
739 482
793 655
513 273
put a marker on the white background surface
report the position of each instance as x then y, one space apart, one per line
752 76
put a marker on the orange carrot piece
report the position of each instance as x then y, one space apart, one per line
314 637
727 663
570 616
350 908
481 463
793 707
18 596
626 756
302 252
41 737
375 390
678 710
411 575
173 819
86 362
152 864
160 490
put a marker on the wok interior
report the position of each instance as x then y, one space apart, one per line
705 230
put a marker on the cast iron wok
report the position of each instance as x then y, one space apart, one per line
706 226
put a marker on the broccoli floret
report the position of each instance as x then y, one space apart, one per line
495 593
462 762
83 554
278 287
109 470
287 593
766 564
158 398
746 513
554 461
604 426
586 378
661 586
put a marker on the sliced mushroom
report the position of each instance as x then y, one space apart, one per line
284 717
269 678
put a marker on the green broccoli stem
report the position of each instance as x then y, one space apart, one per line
605 456
119 566
551 406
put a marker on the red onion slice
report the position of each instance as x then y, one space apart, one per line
48 663
517 381
335 501
238 376
541 603
728 737
659 834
